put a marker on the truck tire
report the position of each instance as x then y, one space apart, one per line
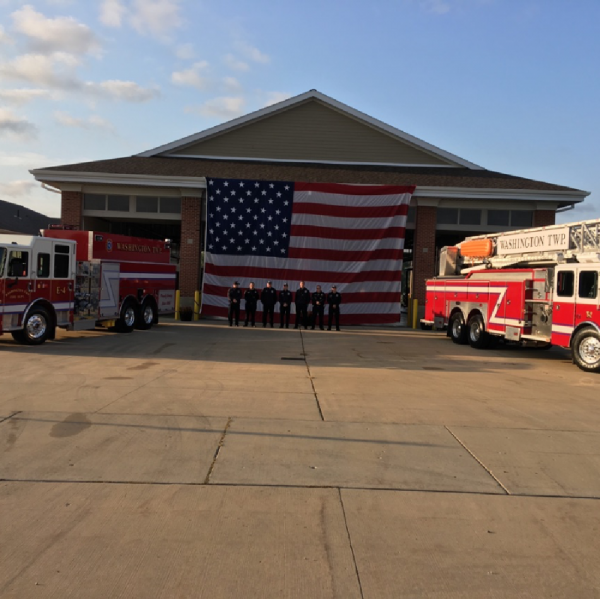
457 330
129 314
146 316
479 338
37 328
586 349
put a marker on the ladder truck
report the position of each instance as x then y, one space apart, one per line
78 280
535 286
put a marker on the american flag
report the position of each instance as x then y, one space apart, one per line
319 233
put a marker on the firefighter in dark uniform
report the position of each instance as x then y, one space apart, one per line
302 300
318 307
235 297
268 297
285 303
251 298
334 299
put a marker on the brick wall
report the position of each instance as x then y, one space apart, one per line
423 250
191 241
71 212
543 218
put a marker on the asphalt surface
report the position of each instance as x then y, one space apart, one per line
199 460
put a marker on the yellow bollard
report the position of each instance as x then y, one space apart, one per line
177 298
197 305
415 313
409 312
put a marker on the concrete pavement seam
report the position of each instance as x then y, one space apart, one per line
310 378
220 444
10 416
350 543
479 462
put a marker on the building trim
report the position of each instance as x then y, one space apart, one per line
422 193
47 176
467 193
304 161
296 100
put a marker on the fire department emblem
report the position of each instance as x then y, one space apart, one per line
109 245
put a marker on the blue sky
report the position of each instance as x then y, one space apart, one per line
511 85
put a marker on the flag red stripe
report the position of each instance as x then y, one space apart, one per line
356 190
334 233
345 319
348 298
350 211
343 256
289 274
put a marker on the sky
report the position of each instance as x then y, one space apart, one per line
510 85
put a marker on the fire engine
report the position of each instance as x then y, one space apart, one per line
78 280
536 286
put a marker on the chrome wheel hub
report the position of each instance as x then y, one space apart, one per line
36 326
129 316
456 328
148 315
589 350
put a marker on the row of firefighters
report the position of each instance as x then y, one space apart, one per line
302 299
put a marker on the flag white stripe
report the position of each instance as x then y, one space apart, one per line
336 222
347 245
302 265
337 199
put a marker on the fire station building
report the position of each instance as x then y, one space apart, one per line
161 193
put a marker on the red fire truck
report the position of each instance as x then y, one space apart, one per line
535 286
78 280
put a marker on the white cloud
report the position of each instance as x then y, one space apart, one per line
22 96
62 34
252 53
156 17
234 63
17 188
112 13
185 51
16 127
438 7
4 37
122 90
227 107
192 77
26 159
275 97
232 85
92 122
57 71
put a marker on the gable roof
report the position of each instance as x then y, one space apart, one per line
286 105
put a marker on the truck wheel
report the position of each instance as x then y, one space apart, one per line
147 315
586 349
478 337
127 319
37 328
457 329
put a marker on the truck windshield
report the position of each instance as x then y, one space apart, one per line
2 260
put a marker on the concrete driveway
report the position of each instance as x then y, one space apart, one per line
199 460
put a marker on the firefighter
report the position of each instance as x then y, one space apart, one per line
235 297
302 300
334 299
268 297
251 299
285 303
318 307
